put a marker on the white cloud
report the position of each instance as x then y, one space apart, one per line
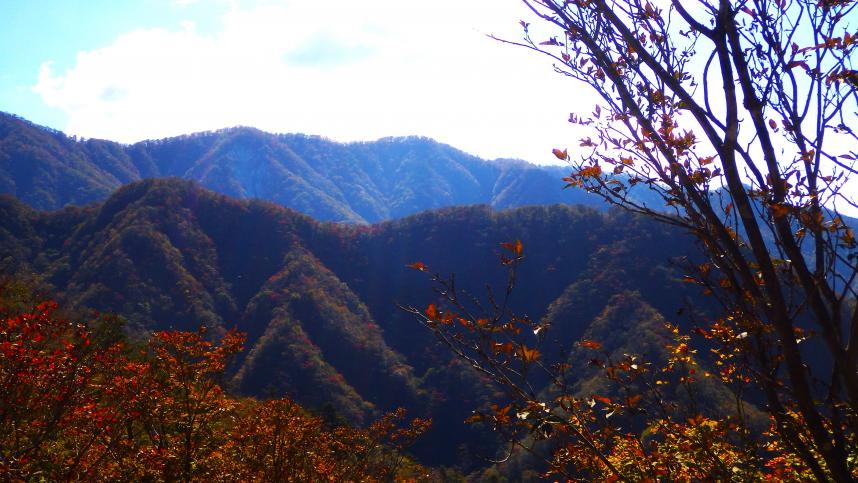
347 70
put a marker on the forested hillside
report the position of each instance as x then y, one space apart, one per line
356 182
319 301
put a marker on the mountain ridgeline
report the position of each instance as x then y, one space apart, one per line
319 300
356 182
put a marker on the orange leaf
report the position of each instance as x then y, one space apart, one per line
592 172
501 411
513 247
475 418
417 266
432 312
506 347
779 210
561 155
590 344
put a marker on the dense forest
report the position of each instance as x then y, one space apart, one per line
80 401
318 301
356 183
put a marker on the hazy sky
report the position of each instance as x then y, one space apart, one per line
350 70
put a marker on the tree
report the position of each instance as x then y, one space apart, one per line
736 115
57 419
77 402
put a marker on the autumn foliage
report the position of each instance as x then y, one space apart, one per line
79 402
649 417
730 120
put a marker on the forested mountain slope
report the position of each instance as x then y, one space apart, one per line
318 301
355 182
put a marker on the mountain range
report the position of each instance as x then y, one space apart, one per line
362 182
319 300
303 243
221 229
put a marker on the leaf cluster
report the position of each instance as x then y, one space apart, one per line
77 405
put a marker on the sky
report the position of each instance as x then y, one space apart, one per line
348 70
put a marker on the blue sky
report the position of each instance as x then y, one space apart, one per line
36 31
131 70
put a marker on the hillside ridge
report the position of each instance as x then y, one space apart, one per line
355 182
